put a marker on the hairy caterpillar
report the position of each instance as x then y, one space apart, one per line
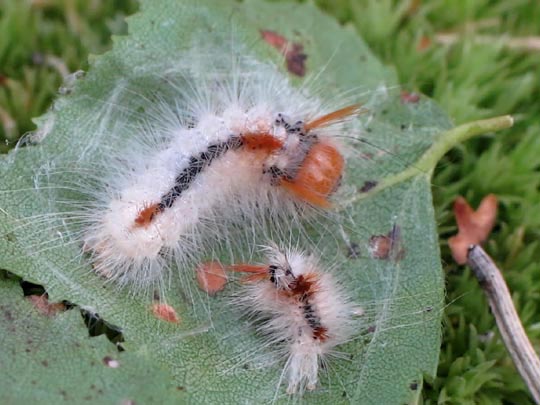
210 154
190 180
192 157
300 309
245 149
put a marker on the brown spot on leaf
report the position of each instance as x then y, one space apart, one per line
413 386
41 303
273 38
367 186
211 277
387 246
7 314
292 51
473 226
296 59
379 246
45 363
165 312
3 80
409 97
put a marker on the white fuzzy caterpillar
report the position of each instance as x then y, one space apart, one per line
249 147
210 155
299 308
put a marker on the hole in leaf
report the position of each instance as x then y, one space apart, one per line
39 298
353 250
98 326
367 186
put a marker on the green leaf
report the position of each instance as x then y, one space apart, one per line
401 292
51 359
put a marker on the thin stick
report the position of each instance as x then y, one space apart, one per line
529 44
510 327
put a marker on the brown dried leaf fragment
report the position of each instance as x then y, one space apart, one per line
165 312
473 226
424 43
211 277
293 51
41 303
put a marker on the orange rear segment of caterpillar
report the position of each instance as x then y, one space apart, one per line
319 175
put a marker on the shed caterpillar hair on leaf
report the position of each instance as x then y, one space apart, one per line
298 307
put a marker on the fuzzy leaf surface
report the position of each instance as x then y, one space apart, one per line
401 293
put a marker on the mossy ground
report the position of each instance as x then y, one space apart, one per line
483 72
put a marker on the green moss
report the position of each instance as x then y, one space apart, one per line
47 39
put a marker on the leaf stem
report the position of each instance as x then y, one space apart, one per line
442 145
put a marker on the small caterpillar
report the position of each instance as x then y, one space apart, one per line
299 308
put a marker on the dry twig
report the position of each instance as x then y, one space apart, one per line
510 327
529 44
